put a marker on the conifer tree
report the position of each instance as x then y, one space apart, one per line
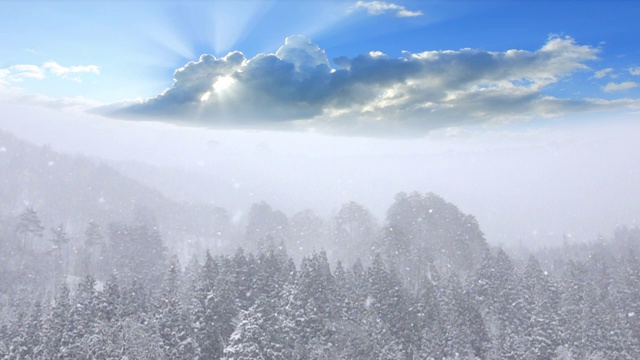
29 227
84 318
541 314
171 319
58 326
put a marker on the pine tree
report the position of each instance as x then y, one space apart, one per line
243 276
34 333
216 306
14 342
541 301
264 223
630 302
308 231
572 310
137 252
387 300
354 232
314 296
58 326
172 321
261 333
109 303
59 240
84 318
247 340
496 290
29 227
432 321
94 250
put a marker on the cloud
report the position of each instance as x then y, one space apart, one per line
76 104
635 71
62 71
613 87
602 73
18 73
11 90
381 7
370 94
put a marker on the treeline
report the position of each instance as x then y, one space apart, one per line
426 286
243 306
418 229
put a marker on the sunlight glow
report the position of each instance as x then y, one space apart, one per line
223 83
205 97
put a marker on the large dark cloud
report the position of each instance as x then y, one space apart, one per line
371 94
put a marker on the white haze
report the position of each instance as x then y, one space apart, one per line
526 185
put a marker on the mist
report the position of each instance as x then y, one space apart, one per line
528 187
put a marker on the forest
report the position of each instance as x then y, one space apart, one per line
94 265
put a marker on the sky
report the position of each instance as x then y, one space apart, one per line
160 81
364 68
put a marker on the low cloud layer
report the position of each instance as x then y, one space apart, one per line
370 94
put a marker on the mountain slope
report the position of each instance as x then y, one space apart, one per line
74 190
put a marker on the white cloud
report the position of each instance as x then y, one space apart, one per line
302 53
381 7
613 87
635 71
62 71
370 94
602 73
18 73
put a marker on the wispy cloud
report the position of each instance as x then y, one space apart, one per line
18 73
370 94
62 71
623 86
381 7
635 71
602 73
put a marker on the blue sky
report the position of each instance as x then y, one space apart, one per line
402 68
522 112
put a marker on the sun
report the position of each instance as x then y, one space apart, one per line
223 83
220 86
